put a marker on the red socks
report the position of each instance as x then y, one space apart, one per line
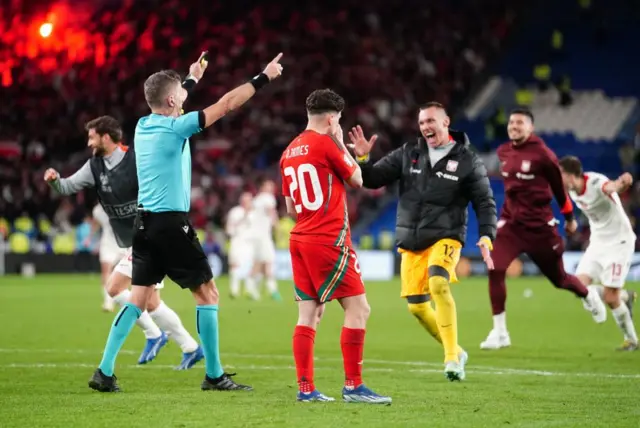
303 340
352 343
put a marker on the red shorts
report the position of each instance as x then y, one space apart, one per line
324 272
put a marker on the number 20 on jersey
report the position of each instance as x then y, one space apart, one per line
306 174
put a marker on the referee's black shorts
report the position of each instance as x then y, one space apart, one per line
165 244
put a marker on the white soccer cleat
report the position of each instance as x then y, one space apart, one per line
594 304
454 371
496 340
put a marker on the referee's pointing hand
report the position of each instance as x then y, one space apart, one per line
274 68
197 68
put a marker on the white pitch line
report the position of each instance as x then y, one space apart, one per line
488 370
509 372
242 355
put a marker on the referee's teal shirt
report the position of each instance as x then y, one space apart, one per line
163 160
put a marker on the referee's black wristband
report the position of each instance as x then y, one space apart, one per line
189 84
259 81
569 217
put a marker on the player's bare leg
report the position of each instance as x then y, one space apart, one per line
356 314
309 315
105 272
207 297
420 307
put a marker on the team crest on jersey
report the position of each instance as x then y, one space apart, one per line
452 166
526 166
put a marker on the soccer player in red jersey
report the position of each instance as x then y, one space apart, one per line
531 178
314 168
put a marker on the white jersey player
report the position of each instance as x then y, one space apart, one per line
263 218
109 252
612 241
240 231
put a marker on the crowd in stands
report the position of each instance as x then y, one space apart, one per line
385 58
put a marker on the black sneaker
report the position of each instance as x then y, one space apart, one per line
103 383
223 383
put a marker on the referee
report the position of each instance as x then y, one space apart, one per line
165 242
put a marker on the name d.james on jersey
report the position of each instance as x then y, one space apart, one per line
297 151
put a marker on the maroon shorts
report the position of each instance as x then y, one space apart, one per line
324 272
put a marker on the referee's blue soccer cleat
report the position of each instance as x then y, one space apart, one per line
362 394
315 395
189 359
151 349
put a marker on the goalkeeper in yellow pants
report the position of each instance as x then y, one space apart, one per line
438 175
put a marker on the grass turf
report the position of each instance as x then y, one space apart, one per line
562 369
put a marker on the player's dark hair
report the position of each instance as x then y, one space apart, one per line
324 101
106 125
524 112
571 165
434 104
158 85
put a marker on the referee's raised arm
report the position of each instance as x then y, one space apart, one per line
240 95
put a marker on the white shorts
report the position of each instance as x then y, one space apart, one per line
110 253
607 264
125 267
240 253
264 250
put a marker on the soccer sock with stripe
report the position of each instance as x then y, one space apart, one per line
446 316
150 329
426 316
352 344
120 329
170 322
207 324
303 341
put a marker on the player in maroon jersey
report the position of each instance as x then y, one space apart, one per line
532 178
314 168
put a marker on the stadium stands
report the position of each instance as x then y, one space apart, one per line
386 58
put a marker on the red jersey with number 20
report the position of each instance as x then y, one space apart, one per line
314 168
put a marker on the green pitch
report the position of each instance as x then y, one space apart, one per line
561 371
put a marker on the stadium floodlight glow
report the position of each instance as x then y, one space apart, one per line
46 29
